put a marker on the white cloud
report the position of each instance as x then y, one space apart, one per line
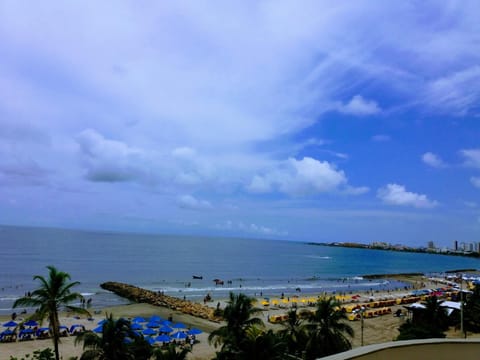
433 160
300 177
394 194
475 181
109 160
471 157
359 106
192 203
457 92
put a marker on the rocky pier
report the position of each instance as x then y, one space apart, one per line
140 295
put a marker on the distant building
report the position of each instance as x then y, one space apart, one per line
430 245
455 245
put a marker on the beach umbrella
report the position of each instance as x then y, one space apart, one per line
163 338
179 335
166 323
139 319
150 340
101 322
165 329
30 323
98 329
42 330
194 331
155 318
179 326
149 331
11 323
7 332
136 326
153 325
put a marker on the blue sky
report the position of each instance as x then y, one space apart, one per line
309 121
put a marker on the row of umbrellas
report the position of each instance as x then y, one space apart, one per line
155 325
12 323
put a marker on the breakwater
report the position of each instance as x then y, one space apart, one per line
139 295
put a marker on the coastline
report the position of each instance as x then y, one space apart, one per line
376 330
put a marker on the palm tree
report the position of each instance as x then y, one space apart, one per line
428 322
238 316
472 311
294 334
117 342
53 294
262 345
171 353
328 332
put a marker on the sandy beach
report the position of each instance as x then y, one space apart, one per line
376 330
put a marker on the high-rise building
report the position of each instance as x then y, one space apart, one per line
455 245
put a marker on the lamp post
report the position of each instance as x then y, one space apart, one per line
362 309
461 304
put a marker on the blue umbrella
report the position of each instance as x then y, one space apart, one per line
7 332
98 329
153 325
139 319
179 335
150 340
163 338
42 331
179 326
136 326
30 323
165 329
166 323
101 322
155 318
194 331
11 323
149 331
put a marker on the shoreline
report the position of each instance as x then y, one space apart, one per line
376 330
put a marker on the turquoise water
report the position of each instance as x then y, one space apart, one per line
167 263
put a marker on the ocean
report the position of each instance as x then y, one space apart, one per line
168 263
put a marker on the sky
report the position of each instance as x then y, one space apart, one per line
324 121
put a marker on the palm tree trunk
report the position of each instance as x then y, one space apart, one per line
54 323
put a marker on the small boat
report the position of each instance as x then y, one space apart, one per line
197 277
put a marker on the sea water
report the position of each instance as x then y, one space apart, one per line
168 263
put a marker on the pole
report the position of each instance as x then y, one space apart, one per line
461 305
361 324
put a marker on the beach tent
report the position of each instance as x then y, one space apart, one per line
77 329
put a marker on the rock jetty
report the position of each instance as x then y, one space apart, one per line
140 295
